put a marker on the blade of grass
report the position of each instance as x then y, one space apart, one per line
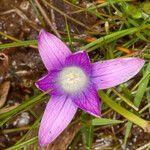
127 132
68 33
87 131
9 37
127 114
104 121
98 6
6 131
111 37
142 87
144 108
24 144
25 105
148 98
126 92
14 39
37 13
31 128
88 135
127 101
145 77
18 44
138 98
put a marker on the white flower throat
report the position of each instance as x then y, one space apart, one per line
72 79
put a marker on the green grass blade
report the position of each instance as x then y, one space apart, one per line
127 114
148 98
27 104
87 132
24 144
142 87
127 131
35 125
104 121
9 37
18 44
145 107
126 100
138 98
68 33
99 6
111 37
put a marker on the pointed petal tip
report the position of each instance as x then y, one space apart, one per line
42 33
58 114
141 61
113 72
97 114
44 143
36 84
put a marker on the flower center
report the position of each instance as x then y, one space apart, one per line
72 79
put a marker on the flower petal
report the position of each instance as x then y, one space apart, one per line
52 50
49 83
58 114
110 73
79 59
88 101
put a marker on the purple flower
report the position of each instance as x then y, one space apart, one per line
73 83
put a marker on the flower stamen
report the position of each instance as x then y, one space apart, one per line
72 79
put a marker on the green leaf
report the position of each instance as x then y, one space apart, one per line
23 144
104 121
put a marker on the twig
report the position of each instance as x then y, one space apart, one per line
23 16
144 146
46 18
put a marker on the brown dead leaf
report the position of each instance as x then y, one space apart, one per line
6 109
100 1
4 89
126 50
90 39
3 64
